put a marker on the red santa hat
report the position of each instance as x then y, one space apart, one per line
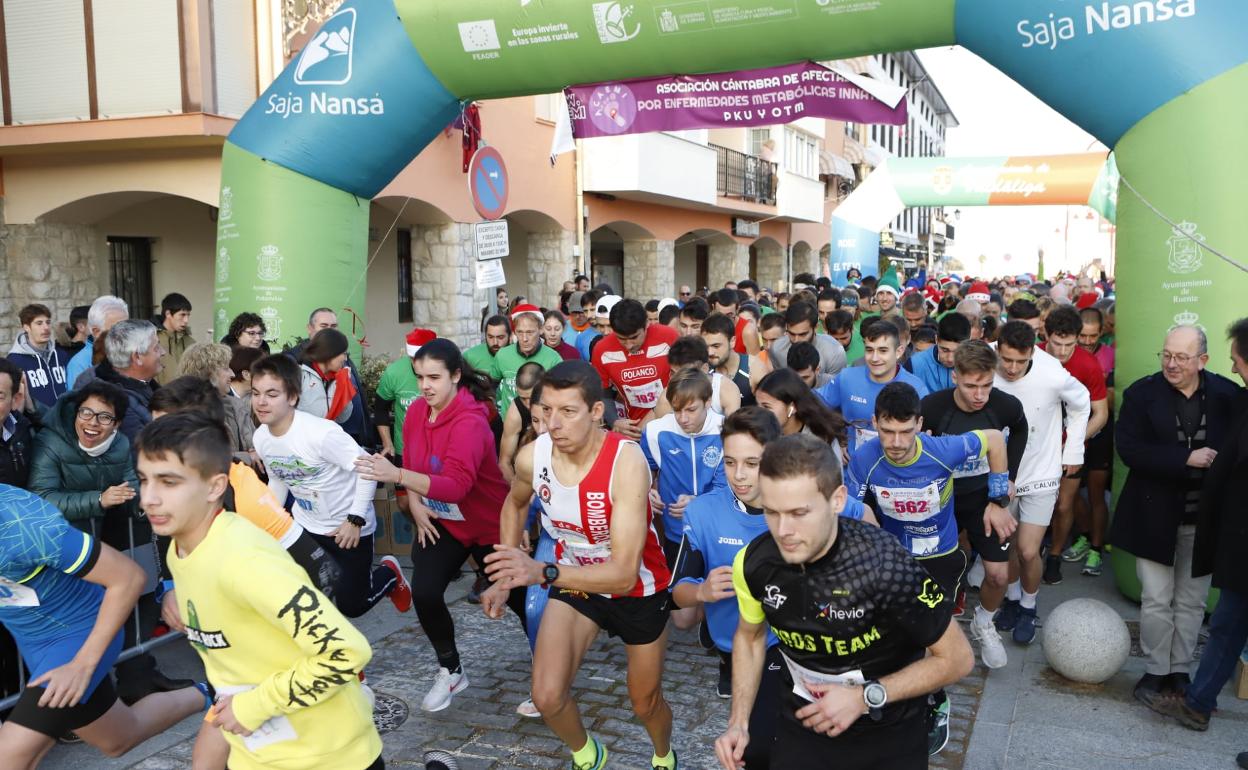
933 297
1087 300
979 292
417 338
527 309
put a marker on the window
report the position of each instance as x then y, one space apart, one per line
404 242
130 273
801 154
851 130
757 137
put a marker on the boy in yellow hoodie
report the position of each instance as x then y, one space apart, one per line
283 660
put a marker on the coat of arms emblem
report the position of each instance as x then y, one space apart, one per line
270 263
1185 248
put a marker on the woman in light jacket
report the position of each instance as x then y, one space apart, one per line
327 385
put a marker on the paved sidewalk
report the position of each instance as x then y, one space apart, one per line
1022 716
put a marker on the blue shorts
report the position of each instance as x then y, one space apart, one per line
57 652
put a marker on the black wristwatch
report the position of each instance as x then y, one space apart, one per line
875 696
1003 502
356 520
550 573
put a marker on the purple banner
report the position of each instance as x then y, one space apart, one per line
728 99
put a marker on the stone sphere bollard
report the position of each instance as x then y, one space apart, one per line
1085 640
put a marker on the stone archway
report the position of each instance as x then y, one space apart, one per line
541 257
772 263
706 258
804 259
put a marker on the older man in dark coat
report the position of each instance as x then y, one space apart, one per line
1167 432
1222 530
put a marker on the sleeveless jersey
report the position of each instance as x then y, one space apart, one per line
578 518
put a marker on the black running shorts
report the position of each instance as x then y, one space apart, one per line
636 620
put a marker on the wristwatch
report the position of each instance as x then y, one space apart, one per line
875 696
1003 501
356 520
550 573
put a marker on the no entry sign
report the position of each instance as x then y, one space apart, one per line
487 183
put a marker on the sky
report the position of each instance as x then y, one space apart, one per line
999 117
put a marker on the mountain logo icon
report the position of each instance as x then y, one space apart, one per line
326 59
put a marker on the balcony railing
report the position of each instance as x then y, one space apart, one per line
748 177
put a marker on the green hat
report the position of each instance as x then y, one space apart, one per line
889 282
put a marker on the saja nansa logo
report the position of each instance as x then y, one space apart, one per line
326 60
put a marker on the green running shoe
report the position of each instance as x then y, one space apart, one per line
600 757
1092 566
1077 550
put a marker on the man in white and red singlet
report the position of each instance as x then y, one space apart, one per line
610 573
632 361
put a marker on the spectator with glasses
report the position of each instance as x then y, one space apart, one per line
247 330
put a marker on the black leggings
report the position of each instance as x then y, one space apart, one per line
322 569
766 711
434 566
360 585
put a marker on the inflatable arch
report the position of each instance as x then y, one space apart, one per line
1163 83
1089 179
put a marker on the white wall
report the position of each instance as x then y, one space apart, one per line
653 163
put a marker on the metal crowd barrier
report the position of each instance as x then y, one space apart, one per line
145 556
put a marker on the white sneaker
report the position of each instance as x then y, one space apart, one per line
991 650
975 575
528 709
445 685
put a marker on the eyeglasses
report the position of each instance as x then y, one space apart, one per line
1181 359
252 332
104 419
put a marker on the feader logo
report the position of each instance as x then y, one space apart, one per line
327 60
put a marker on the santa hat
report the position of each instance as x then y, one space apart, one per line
527 309
933 297
1086 300
889 282
417 338
979 292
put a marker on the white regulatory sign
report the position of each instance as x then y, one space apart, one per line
491 240
490 274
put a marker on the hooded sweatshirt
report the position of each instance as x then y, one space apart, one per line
45 369
456 451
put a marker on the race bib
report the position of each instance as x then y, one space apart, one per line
645 396
585 554
863 435
909 504
17 595
276 730
445 511
801 675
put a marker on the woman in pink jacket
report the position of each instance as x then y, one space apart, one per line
450 470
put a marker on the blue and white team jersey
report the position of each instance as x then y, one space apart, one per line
717 526
914 501
686 464
44 602
853 392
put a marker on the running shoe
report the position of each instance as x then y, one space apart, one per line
1007 615
675 763
1092 566
938 727
724 687
991 649
1025 628
445 685
1052 571
528 709
401 594
600 757
1077 549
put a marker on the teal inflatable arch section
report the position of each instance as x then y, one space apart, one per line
1163 83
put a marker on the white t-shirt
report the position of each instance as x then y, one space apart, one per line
1044 390
315 461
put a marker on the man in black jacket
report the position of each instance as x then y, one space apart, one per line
1167 431
1220 534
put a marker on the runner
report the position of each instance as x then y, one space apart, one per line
313 460
519 417
1045 390
451 472
974 404
854 390
692 315
934 366
526 324
909 479
1098 460
719 333
684 452
854 614
481 356
798 409
1062 328
66 596
691 353
285 663
632 361
800 322
609 573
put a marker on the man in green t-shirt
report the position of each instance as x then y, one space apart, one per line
526 324
481 357
398 388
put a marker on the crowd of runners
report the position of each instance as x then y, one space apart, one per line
814 480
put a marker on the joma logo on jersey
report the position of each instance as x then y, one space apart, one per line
731 541
647 372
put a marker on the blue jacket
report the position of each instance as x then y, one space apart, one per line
853 394
931 371
687 465
80 363
45 369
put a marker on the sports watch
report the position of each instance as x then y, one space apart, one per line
356 520
1001 502
875 696
550 573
